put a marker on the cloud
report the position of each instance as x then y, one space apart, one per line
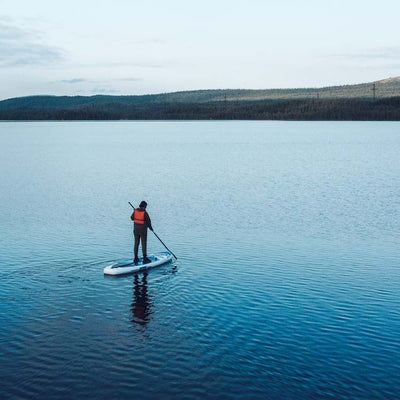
387 54
74 81
128 79
119 64
150 42
25 47
101 90
78 81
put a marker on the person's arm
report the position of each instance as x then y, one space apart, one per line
133 215
148 220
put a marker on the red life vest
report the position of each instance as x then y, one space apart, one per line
139 217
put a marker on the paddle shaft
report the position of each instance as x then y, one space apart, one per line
165 245
158 237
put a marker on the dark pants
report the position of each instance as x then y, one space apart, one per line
140 236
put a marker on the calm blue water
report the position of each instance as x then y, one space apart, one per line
287 280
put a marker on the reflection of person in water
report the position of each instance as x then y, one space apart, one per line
141 305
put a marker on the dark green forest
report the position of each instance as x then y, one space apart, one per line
100 108
368 101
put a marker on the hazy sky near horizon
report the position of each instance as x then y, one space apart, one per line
91 47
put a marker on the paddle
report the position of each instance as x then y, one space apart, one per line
158 237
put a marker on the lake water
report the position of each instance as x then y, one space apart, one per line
287 281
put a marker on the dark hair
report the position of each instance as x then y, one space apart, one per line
143 204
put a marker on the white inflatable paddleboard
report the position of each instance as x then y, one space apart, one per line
128 267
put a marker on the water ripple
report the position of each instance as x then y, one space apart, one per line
299 301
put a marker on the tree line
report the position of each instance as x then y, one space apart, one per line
387 109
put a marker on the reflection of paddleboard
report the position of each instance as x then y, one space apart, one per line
128 267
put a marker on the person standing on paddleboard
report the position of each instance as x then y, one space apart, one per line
142 221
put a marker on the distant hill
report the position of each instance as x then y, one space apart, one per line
349 101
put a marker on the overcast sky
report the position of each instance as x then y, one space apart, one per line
90 47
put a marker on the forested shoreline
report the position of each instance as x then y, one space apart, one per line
386 109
